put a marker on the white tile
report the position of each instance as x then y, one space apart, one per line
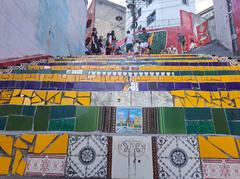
161 99
141 99
120 99
132 157
100 98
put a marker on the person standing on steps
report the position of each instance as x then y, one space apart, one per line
182 40
108 44
144 41
129 42
113 42
95 46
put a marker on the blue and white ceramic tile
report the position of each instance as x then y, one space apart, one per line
178 157
87 157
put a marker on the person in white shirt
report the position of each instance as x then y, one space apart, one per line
136 47
129 42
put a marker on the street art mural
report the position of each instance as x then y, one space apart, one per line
236 19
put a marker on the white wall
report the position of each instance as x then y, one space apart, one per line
55 27
167 12
222 23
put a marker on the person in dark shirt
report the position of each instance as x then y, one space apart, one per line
144 45
108 44
95 47
113 42
182 40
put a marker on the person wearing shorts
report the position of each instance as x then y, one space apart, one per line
129 42
144 41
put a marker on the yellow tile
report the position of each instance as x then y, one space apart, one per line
36 99
21 168
234 94
191 93
27 93
18 157
237 102
67 101
201 102
238 143
206 95
207 150
193 100
5 165
224 94
51 94
20 144
71 94
27 101
178 93
226 144
28 137
217 102
179 102
6 143
58 98
16 100
16 92
41 94
84 101
225 105
84 94
216 95
31 149
59 146
42 141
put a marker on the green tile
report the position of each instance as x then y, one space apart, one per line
63 112
197 113
62 125
234 127
220 122
200 127
6 110
19 123
87 118
3 121
171 121
41 118
232 114
29 110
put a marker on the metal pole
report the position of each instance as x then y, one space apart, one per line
134 19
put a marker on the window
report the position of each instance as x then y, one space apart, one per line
139 12
151 18
148 2
185 2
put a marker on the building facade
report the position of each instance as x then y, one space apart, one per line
227 13
154 14
55 27
102 15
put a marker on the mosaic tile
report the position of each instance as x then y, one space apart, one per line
100 99
171 121
66 124
87 157
161 99
41 118
217 147
19 123
43 141
141 99
28 110
120 99
178 157
220 169
45 165
234 127
200 127
5 165
220 122
3 121
135 155
58 112
87 119
13 110
197 113
129 120
232 114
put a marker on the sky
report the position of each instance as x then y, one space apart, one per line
203 4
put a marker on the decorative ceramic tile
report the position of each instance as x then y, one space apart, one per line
220 169
141 99
87 157
132 157
100 99
120 99
161 99
45 165
129 120
178 157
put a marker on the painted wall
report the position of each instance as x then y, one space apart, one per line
55 27
222 23
236 19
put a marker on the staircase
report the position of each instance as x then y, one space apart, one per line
158 116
